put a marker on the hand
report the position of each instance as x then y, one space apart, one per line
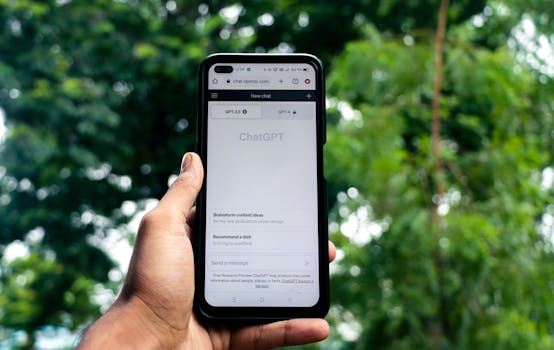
154 309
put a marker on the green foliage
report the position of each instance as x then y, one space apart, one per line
31 290
100 102
474 281
95 95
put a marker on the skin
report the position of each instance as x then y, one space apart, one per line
154 309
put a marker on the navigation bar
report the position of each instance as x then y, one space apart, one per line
262 95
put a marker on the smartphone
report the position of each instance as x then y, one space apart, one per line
262 241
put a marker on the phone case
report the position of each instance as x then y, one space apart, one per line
203 310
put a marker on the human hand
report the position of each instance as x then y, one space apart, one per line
154 309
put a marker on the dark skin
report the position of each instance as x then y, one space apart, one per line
154 309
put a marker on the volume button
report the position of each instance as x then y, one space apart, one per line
324 128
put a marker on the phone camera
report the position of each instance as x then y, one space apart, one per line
223 69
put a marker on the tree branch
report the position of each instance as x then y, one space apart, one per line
435 136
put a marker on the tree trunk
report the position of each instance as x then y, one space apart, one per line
30 342
439 328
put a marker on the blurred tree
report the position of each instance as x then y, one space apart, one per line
100 104
483 277
95 95
323 27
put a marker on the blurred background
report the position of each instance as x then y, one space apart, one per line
441 190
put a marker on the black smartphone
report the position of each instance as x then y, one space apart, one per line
262 242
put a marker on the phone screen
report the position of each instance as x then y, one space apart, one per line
261 243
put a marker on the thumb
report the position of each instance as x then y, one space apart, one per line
182 193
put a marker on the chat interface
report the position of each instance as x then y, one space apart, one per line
261 187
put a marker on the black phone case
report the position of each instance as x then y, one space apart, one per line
203 310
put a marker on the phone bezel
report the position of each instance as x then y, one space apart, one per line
202 308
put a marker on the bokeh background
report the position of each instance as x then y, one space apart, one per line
441 190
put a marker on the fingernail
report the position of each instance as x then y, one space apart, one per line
187 161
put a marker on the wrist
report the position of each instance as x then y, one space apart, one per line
130 323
